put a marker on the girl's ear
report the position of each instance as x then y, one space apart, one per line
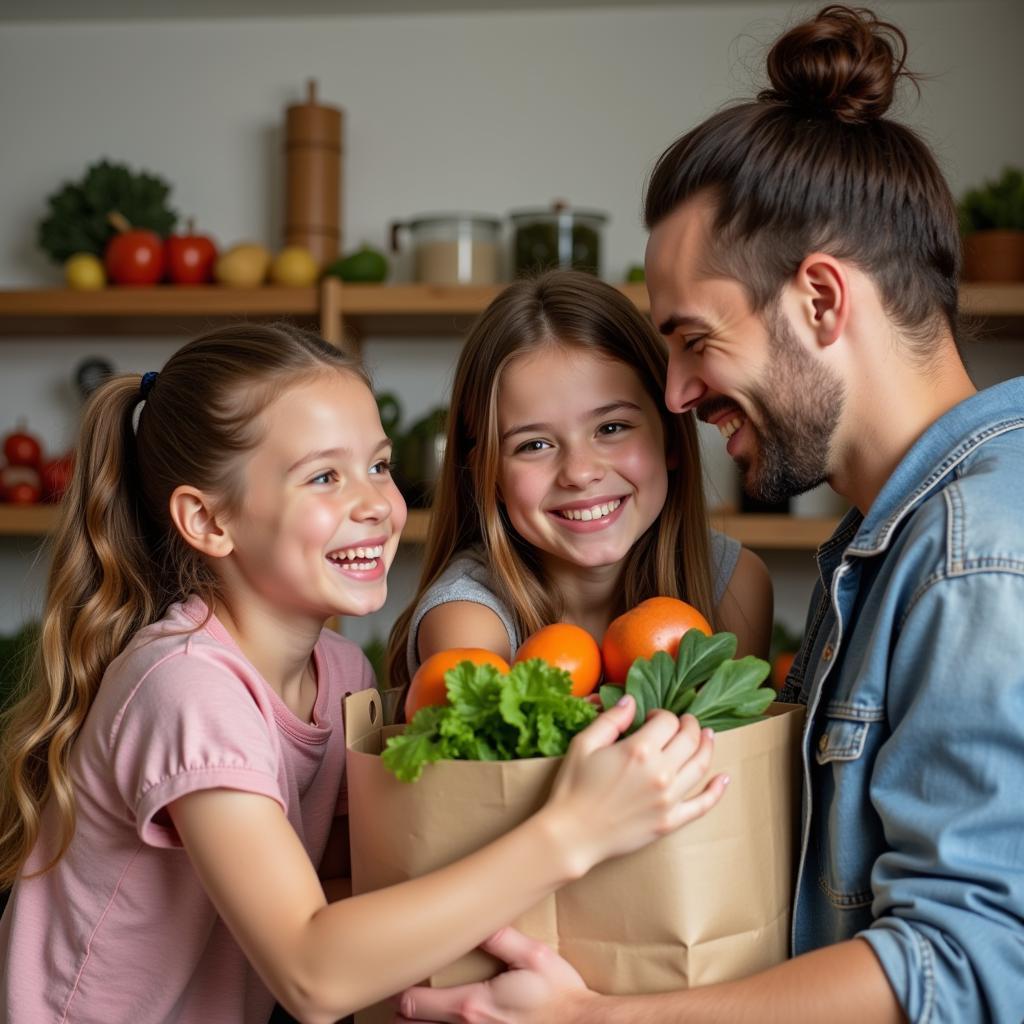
194 518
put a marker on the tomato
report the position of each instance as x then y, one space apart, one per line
190 257
22 494
55 476
22 449
781 664
135 257
20 485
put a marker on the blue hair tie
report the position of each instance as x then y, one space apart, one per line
147 382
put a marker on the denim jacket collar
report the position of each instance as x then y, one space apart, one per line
947 442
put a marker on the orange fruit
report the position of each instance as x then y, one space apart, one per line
566 646
427 688
657 624
781 664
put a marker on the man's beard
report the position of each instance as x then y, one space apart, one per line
798 411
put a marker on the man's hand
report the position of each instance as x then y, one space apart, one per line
539 988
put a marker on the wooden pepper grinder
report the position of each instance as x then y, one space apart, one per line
313 177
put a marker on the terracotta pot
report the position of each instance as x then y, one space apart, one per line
994 256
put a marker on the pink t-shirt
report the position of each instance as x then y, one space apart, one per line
121 929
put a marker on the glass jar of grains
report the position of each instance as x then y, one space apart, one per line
452 248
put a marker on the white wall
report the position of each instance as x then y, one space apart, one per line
484 112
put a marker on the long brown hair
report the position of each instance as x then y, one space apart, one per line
814 165
116 561
572 309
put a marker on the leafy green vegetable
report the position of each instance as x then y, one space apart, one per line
703 680
997 204
78 212
530 712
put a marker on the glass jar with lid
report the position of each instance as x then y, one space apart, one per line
556 237
452 248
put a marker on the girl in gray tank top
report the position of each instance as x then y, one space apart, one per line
568 492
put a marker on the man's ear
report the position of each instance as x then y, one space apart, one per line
823 291
193 515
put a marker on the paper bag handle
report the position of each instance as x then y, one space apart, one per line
363 715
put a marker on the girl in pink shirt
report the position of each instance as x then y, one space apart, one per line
172 810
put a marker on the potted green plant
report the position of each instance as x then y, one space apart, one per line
992 225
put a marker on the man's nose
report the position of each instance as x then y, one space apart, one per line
683 387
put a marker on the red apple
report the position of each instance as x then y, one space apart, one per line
133 256
21 448
55 476
190 257
20 485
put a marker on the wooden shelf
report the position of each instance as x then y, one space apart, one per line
999 300
27 520
409 309
165 309
764 532
422 309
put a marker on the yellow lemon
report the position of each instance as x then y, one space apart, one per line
84 272
294 266
242 266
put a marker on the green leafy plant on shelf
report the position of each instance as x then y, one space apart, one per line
79 212
996 205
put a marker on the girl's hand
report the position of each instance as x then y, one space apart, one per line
613 798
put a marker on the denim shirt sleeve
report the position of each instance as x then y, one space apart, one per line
948 786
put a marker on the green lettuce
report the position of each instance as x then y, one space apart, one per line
530 712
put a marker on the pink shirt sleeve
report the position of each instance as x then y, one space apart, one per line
192 723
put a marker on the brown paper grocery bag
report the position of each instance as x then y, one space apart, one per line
708 903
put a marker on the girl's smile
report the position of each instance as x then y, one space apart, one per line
363 562
591 515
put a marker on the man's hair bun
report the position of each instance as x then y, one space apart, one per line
844 62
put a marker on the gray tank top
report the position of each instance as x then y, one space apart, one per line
467 578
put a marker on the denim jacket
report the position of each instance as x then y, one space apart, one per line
912 670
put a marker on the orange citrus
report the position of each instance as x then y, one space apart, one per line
657 624
427 688
781 664
569 647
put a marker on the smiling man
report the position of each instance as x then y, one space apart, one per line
803 266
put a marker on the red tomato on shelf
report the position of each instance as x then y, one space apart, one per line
22 449
55 476
135 257
190 257
19 485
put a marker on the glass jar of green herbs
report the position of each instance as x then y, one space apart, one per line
556 237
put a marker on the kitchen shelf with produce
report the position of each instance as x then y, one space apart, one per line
360 309
344 314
